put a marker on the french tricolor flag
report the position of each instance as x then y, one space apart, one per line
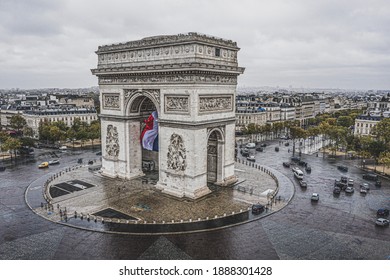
149 135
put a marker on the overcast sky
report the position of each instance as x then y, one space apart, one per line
302 43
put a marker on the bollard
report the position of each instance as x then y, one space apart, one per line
173 221
75 214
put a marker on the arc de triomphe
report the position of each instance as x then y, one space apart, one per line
190 81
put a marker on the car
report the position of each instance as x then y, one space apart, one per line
286 144
244 153
302 163
63 148
350 182
303 184
257 208
298 173
263 145
80 160
370 177
286 164
378 183
54 161
382 212
363 190
259 149
349 190
276 149
90 162
336 190
382 222
365 185
308 168
99 153
344 179
250 146
315 197
43 164
251 158
338 183
295 159
342 168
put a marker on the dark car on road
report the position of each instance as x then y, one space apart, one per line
342 168
341 185
382 212
296 159
263 145
286 164
303 184
308 168
287 144
370 177
259 149
276 149
257 208
336 190
302 163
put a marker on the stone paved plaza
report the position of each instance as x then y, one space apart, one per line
139 198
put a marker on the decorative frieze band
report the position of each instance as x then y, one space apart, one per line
169 79
215 104
176 104
111 101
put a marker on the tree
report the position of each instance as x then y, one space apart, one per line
382 130
18 122
345 121
384 158
297 133
12 145
94 131
375 148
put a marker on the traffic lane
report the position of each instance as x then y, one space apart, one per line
349 213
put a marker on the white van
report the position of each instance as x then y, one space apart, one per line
298 173
250 145
63 148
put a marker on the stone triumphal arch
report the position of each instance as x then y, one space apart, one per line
185 86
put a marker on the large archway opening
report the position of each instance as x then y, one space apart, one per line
143 110
214 157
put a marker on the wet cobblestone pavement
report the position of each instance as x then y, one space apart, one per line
334 228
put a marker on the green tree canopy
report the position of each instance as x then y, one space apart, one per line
18 122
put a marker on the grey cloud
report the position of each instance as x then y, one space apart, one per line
314 43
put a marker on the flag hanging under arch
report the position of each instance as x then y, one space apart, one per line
149 135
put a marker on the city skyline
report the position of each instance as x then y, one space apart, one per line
305 44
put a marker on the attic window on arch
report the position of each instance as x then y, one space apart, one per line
217 52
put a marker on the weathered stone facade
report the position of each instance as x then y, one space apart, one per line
190 80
